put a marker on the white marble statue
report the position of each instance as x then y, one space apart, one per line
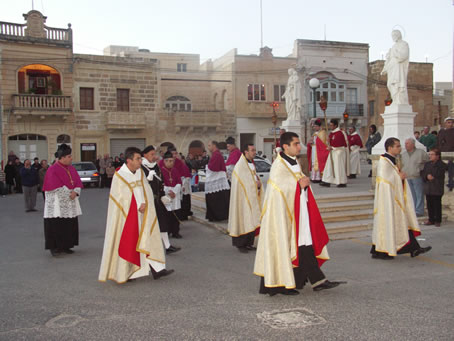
396 67
293 96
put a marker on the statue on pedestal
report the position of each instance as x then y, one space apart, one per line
396 67
293 96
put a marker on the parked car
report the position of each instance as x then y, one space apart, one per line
88 173
262 166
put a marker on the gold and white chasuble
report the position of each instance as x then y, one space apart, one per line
279 238
245 199
394 212
129 190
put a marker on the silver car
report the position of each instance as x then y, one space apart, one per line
87 172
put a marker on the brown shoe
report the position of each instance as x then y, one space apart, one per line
428 222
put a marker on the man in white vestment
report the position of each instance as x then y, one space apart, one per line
132 245
245 201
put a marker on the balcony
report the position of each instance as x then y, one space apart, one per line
125 121
41 105
197 119
335 110
257 109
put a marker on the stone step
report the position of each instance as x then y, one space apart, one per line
348 215
345 205
344 197
348 226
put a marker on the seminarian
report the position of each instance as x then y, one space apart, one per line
293 240
246 196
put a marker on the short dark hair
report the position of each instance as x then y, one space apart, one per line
146 150
436 151
246 147
130 151
390 142
374 128
287 138
335 122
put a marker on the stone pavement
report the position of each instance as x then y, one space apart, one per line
213 294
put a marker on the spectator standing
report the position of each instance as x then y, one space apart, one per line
98 160
372 140
433 176
103 164
3 188
42 175
412 164
12 156
117 163
427 139
445 142
110 171
30 181
17 179
36 165
194 180
10 174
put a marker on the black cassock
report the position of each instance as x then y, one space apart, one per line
168 222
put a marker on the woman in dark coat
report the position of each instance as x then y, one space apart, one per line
10 174
433 176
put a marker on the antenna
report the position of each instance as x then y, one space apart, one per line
261 25
324 30
33 5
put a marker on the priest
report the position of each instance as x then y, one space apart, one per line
395 223
246 196
293 240
62 188
217 189
172 189
168 223
234 156
338 163
132 245
317 151
185 173
355 144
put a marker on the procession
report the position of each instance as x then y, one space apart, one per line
155 218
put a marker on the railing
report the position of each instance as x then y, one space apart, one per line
125 120
198 119
42 102
334 109
18 30
354 109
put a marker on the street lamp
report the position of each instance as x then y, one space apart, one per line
314 83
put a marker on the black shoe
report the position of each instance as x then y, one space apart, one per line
250 248
172 249
162 273
324 184
421 250
190 213
352 176
242 249
342 185
177 235
33 210
326 285
68 251
382 256
28 211
290 292
316 181
54 252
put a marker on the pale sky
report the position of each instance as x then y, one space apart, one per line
211 28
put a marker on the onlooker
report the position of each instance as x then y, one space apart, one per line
30 182
42 175
18 179
3 189
445 142
12 156
372 140
434 133
10 173
195 180
433 176
117 163
412 164
191 162
427 139
103 164
36 165
98 159
417 135
122 158
110 171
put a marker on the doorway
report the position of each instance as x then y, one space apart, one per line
88 152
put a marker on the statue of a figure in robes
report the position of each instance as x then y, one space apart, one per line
396 67
293 96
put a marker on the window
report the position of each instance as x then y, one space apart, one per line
122 99
332 91
63 139
178 103
87 101
181 67
256 92
371 108
279 92
262 166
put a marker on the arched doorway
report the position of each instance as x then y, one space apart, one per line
39 79
196 148
28 146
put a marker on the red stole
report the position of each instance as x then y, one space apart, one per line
130 235
318 230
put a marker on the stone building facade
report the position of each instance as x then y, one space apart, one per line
420 88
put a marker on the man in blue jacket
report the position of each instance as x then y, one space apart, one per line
30 181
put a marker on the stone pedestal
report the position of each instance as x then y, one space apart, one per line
399 123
